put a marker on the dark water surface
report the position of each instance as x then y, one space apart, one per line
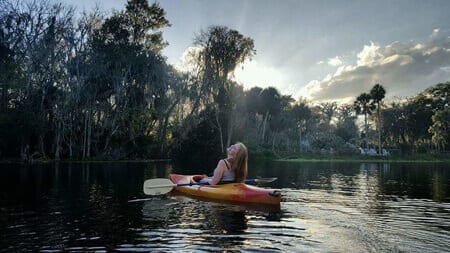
326 207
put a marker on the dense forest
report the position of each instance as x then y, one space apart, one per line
97 86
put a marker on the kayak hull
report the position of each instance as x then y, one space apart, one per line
234 192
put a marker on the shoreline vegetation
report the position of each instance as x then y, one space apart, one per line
292 159
367 160
41 161
417 158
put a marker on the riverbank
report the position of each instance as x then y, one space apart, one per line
40 161
309 158
370 159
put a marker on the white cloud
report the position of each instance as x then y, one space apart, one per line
336 61
311 88
370 55
404 69
435 33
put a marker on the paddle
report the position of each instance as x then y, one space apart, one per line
158 186
260 180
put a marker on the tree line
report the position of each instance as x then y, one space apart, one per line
96 86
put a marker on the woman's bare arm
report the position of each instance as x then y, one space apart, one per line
221 167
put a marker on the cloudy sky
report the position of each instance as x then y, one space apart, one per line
321 50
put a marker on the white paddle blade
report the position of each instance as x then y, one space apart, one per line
265 180
158 186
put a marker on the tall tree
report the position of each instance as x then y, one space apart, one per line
36 34
302 114
328 110
395 123
439 95
222 50
363 106
440 129
377 93
271 102
345 126
281 120
419 112
144 23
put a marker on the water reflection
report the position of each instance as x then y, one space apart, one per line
69 206
180 222
326 207
396 204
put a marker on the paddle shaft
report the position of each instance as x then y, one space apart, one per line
247 181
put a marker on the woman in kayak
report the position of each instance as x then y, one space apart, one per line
231 169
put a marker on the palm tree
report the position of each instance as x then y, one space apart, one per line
271 105
302 114
363 106
377 93
223 49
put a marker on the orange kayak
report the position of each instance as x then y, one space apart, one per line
234 192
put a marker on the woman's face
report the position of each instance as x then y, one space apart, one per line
233 150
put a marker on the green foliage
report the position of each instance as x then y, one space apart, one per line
362 104
377 94
411 125
440 129
347 130
201 146
144 18
327 141
222 50
253 100
8 131
439 95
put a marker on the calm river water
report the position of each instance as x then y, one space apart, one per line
326 207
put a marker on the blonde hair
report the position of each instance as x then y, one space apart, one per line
239 165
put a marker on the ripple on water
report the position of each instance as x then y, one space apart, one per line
355 223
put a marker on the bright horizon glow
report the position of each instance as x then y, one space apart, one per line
252 73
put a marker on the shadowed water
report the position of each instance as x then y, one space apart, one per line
326 207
